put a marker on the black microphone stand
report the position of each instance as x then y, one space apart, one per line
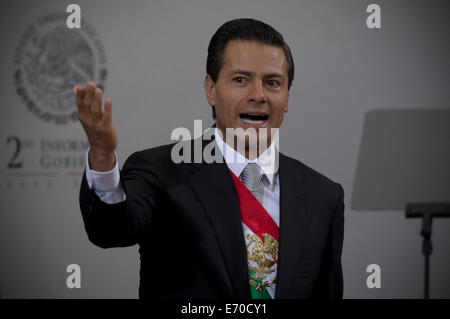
427 211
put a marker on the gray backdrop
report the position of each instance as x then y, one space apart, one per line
155 61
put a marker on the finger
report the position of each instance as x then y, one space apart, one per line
89 95
96 105
80 91
108 110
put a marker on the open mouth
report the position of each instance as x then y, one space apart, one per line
253 119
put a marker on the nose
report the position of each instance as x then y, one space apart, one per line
257 93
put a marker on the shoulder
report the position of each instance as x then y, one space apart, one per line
160 154
157 163
151 157
317 183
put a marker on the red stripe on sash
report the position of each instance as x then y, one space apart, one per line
253 214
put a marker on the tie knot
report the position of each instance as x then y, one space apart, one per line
251 176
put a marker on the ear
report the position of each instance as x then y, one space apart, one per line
210 90
287 102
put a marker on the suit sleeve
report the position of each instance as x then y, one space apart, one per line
125 223
330 283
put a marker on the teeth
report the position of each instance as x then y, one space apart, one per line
248 121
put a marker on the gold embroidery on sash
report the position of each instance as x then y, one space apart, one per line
259 253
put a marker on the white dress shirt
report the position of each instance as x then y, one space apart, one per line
109 189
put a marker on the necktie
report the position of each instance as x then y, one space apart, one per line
251 177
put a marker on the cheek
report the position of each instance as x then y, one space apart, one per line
279 118
230 104
280 109
226 110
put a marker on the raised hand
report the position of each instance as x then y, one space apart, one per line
98 126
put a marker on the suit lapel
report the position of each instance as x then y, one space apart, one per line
215 190
294 219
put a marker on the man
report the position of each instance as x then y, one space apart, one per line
230 228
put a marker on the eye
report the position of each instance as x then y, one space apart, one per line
273 83
239 79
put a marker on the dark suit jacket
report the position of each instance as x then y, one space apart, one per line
185 218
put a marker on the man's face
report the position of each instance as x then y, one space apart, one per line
252 87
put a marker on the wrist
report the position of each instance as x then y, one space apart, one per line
100 160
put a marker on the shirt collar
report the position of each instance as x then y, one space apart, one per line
236 162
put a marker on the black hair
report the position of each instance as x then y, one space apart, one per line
248 30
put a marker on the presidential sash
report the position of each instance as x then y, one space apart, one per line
261 239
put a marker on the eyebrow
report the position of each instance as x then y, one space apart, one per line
249 73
